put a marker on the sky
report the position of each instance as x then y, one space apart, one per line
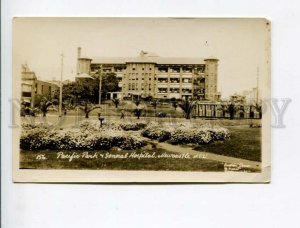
241 45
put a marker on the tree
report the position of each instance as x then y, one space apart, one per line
27 110
175 105
44 105
116 101
231 110
137 102
138 112
83 89
87 89
87 108
258 108
148 98
173 99
224 109
154 104
187 106
110 83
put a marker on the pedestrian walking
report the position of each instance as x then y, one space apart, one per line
122 114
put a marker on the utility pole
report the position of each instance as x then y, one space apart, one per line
100 85
257 81
61 85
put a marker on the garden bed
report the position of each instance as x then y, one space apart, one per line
186 133
89 136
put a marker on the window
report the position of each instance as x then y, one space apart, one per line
26 94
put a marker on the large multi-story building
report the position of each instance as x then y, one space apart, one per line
151 75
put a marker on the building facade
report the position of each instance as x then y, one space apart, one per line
158 77
31 86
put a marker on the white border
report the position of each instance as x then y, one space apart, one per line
273 205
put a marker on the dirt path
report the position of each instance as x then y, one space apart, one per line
210 156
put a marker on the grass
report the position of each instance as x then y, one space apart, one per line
28 161
245 143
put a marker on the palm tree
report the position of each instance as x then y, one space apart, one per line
44 105
223 108
258 108
231 111
175 105
138 112
154 104
116 101
187 106
87 108
137 102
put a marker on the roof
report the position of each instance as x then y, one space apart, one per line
211 58
152 59
83 75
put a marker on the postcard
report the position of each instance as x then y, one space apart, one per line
141 100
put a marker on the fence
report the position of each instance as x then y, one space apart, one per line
233 112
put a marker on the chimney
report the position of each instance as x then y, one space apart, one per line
78 52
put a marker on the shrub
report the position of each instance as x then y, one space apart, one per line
39 139
185 134
133 126
164 136
112 125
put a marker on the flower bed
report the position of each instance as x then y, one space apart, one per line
89 136
38 139
113 125
36 125
185 134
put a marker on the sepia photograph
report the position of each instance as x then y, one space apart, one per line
141 99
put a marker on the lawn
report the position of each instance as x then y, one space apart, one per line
245 142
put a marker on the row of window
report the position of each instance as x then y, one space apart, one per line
133 68
134 86
163 80
174 90
185 80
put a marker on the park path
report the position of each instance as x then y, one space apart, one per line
210 156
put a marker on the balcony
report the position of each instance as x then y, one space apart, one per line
185 90
175 75
162 75
162 92
177 85
174 90
164 85
162 81
187 75
174 80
